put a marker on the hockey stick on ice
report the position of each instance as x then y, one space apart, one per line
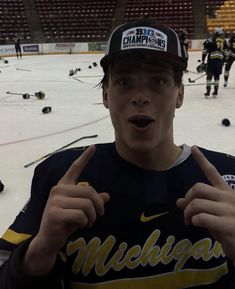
16 93
78 80
194 72
23 69
75 78
195 84
193 80
39 94
63 147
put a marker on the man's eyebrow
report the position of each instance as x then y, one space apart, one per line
135 70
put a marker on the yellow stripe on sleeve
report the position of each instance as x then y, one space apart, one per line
14 237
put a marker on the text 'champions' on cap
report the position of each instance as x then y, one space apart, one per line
145 35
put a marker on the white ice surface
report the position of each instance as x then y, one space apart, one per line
26 133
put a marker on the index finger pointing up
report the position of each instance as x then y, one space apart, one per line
77 166
209 170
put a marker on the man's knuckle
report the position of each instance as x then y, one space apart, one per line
198 187
201 219
87 204
82 219
55 189
194 204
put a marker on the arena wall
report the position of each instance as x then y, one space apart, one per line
70 47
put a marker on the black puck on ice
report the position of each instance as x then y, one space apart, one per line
71 72
46 109
1 187
26 96
225 122
90 67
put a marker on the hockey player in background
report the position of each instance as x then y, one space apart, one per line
214 49
184 42
17 42
229 59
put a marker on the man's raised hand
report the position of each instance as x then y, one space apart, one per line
70 206
211 206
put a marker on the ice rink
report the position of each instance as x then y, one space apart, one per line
27 134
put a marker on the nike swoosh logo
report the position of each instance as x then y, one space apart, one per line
145 219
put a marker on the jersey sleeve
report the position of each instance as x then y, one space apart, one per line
12 276
27 222
14 241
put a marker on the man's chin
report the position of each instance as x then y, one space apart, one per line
136 145
141 147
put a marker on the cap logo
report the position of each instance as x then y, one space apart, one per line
144 37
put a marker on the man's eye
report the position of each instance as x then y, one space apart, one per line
160 81
122 81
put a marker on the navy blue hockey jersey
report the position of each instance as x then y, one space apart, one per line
140 242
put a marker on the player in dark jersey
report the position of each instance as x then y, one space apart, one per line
17 42
214 49
184 41
141 212
229 58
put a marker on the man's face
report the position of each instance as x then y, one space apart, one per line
141 96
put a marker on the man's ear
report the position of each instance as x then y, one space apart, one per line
180 97
105 97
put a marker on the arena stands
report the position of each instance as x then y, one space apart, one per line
13 21
74 20
92 20
220 14
175 13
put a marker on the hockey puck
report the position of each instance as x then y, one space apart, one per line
46 109
71 72
1 187
26 96
225 122
94 64
90 67
5 61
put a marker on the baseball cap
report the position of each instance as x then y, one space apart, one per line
146 35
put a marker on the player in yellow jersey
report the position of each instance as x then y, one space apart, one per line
214 49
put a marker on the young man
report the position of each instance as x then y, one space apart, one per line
214 48
141 212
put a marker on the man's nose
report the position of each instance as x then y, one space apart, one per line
140 97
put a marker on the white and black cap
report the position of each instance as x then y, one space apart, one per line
145 35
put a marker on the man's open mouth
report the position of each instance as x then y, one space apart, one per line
141 121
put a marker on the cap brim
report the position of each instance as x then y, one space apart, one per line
176 62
